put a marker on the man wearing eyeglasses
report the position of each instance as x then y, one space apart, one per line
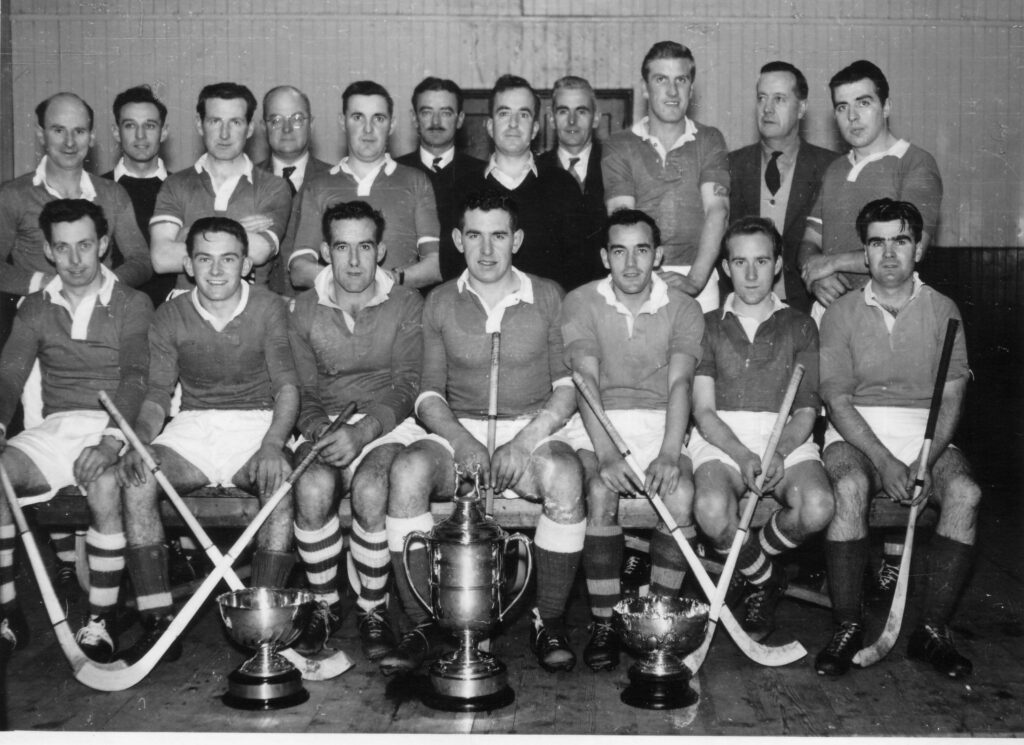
288 124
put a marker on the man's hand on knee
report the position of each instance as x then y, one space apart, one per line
508 465
662 475
268 468
132 470
897 479
618 476
94 460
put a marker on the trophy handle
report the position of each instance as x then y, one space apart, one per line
416 535
517 538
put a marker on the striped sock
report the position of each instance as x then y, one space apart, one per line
104 553
147 566
557 550
752 562
892 547
602 557
668 565
372 561
8 537
64 547
319 550
397 528
771 538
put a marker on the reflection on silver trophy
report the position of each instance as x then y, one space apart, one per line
662 631
467 556
267 620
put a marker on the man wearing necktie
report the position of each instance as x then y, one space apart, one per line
574 118
288 123
437 110
778 177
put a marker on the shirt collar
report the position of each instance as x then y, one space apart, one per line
729 305
53 288
85 184
427 158
300 165
207 316
324 283
898 149
120 170
524 294
642 129
387 164
583 155
657 300
788 153
203 164
870 298
492 165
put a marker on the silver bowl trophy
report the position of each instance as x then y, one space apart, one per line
662 631
466 554
266 619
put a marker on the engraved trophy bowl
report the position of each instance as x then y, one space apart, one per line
265 619
661 631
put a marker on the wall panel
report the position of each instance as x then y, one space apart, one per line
955 67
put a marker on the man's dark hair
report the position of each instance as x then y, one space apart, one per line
45 104
508 82
216 224
278 88
488 202
752 225
227 92
438 84
355 210
860 70
366 88
780 66
667 50
625 216
890 210
71 210
139 94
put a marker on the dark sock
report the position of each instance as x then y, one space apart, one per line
949 565
556 571
420 572
147 567
271 568
668 565
845 561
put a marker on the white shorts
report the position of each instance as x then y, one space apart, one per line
54 445
216 441
642 429
505 430
901 430
753 429
708 297
817 312
406 433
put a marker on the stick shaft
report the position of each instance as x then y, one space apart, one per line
492 413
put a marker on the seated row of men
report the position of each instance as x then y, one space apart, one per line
419 374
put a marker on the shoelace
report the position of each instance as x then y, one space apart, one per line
842 637
6 632
92 632
756 602
941 636
632 564
888 575
602 633
374 624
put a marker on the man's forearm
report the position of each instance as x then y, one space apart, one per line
556 412
286 411
424 272
715 220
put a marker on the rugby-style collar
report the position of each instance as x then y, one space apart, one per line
204 160
85 183
642 129
207 316
657 300
728 305
898 149
427 158
324 283
160 173
494 315
504 179
81 316
363 185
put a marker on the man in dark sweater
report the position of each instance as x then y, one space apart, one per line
140 127
88 332
548 199
437 105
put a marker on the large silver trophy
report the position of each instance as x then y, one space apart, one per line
662 631
467 556
265 619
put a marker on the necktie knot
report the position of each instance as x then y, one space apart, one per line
772 176
574 172
286 174
436 166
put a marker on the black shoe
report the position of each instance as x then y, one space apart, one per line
550 645
375 632
759 617
13 628
326 620
636 573
835 659
153 627
737 592
602 651
66 585
97 638
423 642
180 569
881 586
934 644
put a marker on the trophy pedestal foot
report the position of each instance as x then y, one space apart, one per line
647 691
468 680
490 702
255 692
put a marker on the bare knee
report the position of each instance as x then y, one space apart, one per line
314 496
559 475
412 478
602 503
104 499
716 514
817 508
